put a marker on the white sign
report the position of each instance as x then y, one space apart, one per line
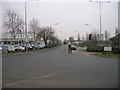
107 48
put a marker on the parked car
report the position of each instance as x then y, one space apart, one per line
34 46
40 46
0 50
4 49
73 47
27 47
19 48
11 48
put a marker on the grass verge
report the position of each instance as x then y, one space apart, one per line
109 55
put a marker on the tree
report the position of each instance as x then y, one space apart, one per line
78 38
45 33
54 40
71 39
13 23
94 37
107 35
6 36
87 37
34 27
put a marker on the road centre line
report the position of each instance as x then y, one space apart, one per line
27 80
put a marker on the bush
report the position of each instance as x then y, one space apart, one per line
116 50
95 48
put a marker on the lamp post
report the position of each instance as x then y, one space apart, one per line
100 4
25 20
26 28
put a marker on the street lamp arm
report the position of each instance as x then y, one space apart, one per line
54 24
100 1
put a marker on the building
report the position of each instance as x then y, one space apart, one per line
115 41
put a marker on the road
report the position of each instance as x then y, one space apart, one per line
58 69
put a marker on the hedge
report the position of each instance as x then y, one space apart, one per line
116 50
95 48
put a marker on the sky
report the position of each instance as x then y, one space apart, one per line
71 15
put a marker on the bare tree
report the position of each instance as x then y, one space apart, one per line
71 39
107 35
94 38
6 37
45 33
78 38
13 22
53 40
34 27
87 37
20 29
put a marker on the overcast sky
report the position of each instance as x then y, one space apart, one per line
71 16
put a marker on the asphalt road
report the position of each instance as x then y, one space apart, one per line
58 69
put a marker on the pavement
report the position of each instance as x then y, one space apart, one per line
58 69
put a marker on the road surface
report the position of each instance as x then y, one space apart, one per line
58 69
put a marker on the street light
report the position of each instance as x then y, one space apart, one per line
26 36
26 20
100 3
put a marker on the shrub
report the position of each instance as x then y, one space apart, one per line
95 48
116 50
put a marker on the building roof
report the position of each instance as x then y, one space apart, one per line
115 37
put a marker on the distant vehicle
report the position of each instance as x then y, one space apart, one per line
73 47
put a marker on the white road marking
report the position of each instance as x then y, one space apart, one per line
27 80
